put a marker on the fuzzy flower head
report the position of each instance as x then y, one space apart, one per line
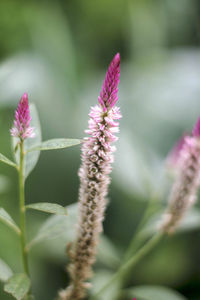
21 128
184 191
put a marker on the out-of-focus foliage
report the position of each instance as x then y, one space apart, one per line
58 52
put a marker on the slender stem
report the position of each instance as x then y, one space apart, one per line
22 209
127 267
138 237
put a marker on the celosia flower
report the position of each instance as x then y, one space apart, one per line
21 128
185 188
97 156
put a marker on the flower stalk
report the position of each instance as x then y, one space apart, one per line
22 209
97 156
124 271
22 130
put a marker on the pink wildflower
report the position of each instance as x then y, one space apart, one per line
97 156
21 128
184 190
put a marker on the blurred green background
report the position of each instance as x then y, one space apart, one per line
58 52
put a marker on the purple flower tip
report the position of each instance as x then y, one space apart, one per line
24 97
21 128
108 95
196 129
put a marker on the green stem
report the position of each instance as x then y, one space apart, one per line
139 237
127 267
136 240
22 209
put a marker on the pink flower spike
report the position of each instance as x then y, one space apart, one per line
21 128
196 129
97 157
108 95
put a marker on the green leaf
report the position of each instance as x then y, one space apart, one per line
18 286
108 254
58 227
5 271
7 161
148 175
4 183
154 293
6 219
51 208
56 144
31 158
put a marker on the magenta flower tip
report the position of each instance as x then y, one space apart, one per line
196 129
21 128
25 97
117 58
108 95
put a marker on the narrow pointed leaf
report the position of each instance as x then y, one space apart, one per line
55 144
5 271
7 161
18 286
154 293
51 208
6 219
31 158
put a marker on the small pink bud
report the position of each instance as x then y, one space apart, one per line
21 128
